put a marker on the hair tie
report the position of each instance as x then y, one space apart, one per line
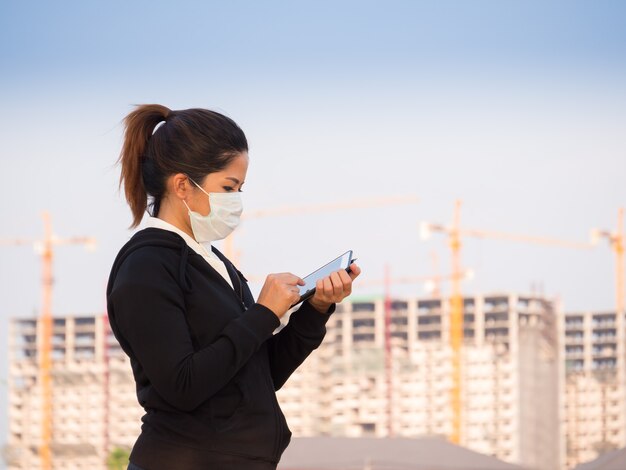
159 124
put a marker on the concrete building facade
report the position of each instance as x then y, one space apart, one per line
594 389
94 404
510 376
540 388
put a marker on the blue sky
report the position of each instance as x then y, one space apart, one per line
518 108
242 41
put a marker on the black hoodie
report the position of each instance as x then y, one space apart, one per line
204 357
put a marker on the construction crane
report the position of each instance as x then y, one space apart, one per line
455 233
387 282
45 248
618 243
314 208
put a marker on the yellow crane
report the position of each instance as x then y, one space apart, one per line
455 233
617 241
45 248
387 282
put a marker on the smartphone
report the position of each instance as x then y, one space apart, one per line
340 262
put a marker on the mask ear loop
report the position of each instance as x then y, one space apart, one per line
200 187
185 202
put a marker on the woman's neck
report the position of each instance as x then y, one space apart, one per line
175 216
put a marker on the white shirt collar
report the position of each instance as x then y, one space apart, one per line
203 249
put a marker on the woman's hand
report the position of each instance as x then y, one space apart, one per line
334 288
280 292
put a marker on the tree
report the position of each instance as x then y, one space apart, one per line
118 459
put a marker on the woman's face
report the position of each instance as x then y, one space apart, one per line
230 179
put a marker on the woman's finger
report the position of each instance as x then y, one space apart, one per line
354 271
291 279
337 284
328 287
345 277
346 281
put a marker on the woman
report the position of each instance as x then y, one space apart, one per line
203 353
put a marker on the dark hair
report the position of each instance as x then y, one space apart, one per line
195 142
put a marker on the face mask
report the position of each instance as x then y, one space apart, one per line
226 208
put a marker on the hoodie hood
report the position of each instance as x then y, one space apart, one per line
154 237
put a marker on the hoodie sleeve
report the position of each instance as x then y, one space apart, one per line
292 345
146 308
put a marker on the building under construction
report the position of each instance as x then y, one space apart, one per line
359 384
593 384
94 404
509 383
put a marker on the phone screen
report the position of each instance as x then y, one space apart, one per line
341 262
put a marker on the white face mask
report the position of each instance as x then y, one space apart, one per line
226 209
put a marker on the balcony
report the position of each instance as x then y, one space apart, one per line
429 335
399 305
429 327
606 320
574 338
429 320
399 321
496 332
84 324
496 305
496 323
363 337
608 350
363 307
363 323
604 337
577 353
603 363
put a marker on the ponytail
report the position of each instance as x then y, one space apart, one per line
140 125
194 141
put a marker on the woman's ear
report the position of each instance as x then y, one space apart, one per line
179 185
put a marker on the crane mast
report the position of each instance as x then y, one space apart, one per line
45 248
455 234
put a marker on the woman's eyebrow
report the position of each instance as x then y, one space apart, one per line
234 180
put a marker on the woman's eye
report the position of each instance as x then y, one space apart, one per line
228 188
